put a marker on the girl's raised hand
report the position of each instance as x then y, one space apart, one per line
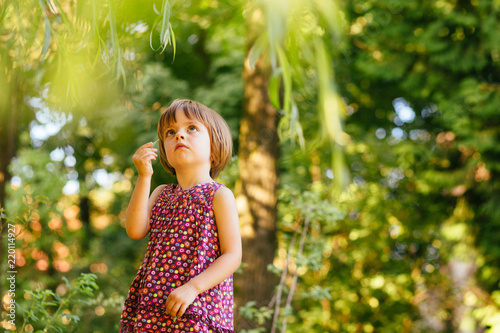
143 157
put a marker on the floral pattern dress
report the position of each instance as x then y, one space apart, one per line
183 242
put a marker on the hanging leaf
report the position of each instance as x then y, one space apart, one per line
156 10
273 88
276 21
287 78
296 127
57 9
173 40
115 58
162 22
46 40
257 48
155 24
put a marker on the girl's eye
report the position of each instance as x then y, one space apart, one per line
192 128
170 132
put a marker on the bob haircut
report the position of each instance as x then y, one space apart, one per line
221 143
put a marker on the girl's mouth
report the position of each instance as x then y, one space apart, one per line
179 146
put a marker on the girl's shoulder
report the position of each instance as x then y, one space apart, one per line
223 194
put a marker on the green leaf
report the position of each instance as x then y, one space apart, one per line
155 24
46 40
66 282
155 9
62 14
287 78
257 48
167 35
172 35
296 127
273 88
165 31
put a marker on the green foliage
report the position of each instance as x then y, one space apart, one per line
27 215
39 176
167 35
433 173
311 215
259 315
297 37
422 200
47 311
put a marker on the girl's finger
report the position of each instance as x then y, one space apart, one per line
145 151
149 144
149 156
175 310
182 310
168 308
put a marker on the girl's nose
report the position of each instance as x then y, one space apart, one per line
179 136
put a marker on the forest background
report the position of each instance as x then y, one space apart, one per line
366 162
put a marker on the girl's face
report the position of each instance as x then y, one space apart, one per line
187 143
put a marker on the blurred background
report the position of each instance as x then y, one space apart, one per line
365 168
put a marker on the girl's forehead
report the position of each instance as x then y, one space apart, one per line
173 117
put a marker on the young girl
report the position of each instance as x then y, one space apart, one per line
185 281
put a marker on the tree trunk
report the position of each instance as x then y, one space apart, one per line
256 192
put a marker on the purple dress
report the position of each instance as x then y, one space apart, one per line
183 242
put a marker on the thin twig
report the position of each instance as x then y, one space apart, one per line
282 283
271 302
295 275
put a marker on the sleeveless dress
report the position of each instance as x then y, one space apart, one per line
183 242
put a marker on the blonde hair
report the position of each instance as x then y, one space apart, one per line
221 143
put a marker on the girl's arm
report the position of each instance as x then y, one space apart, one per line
226 217
139 208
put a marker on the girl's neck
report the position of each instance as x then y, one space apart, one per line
187 180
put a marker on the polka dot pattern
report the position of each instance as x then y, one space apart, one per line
183 242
